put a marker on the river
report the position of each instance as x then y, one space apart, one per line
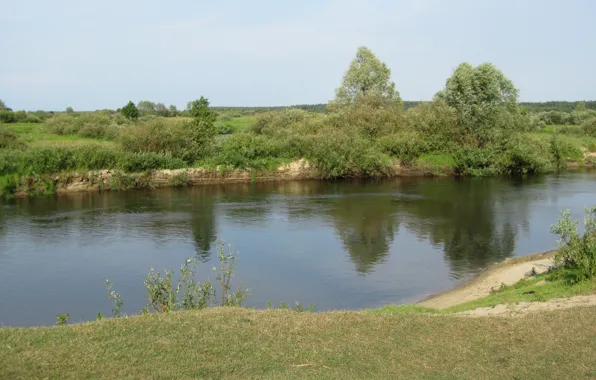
336 244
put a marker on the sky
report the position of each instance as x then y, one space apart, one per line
101 54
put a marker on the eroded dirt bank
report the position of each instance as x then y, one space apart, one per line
108 179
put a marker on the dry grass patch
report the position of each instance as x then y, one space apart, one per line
241 343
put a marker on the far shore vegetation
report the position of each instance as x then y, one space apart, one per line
474 126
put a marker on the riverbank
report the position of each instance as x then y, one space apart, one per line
505 273
117 180
273 344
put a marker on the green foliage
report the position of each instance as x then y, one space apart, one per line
367 77
199 109
146 108
434 119
69 110
589 127
345 154
560 106
180 179
563 151
52 160
8 186
62 319
115 298
524 155
188 141
484 99
189 294
9 140
577 252
436 163
406 146
369 117
7 117
130 111
243 150
89 125
475 161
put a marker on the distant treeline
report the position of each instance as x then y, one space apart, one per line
560 106
146 108
533 107
319 108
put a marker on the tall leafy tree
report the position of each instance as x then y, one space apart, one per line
161 110
146 107
130 111
366 78
173 111
199 109
3 105
485 100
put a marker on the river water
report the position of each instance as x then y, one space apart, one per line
339 245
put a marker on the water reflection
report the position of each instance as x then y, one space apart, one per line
475 221
347 244
366 224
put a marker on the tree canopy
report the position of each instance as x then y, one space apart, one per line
367 77
199 109
484 98
130 111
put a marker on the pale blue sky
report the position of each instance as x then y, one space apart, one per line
99 54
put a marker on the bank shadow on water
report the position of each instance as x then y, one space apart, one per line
339 244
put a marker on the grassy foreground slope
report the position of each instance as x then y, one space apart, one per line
243 343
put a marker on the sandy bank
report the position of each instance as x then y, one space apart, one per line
508 272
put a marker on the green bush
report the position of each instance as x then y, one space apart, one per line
144 161
562 152
91 124
7 117
406 146
589 127
188 141
245 150
8 186
434 119
369 117
577 252
524 155
9 140
345 154
223 129
475 161
272 122
63 159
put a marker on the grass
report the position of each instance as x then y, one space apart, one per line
437 163
35 135
276 344
577 141
239 124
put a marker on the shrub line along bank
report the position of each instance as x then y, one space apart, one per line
473 127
